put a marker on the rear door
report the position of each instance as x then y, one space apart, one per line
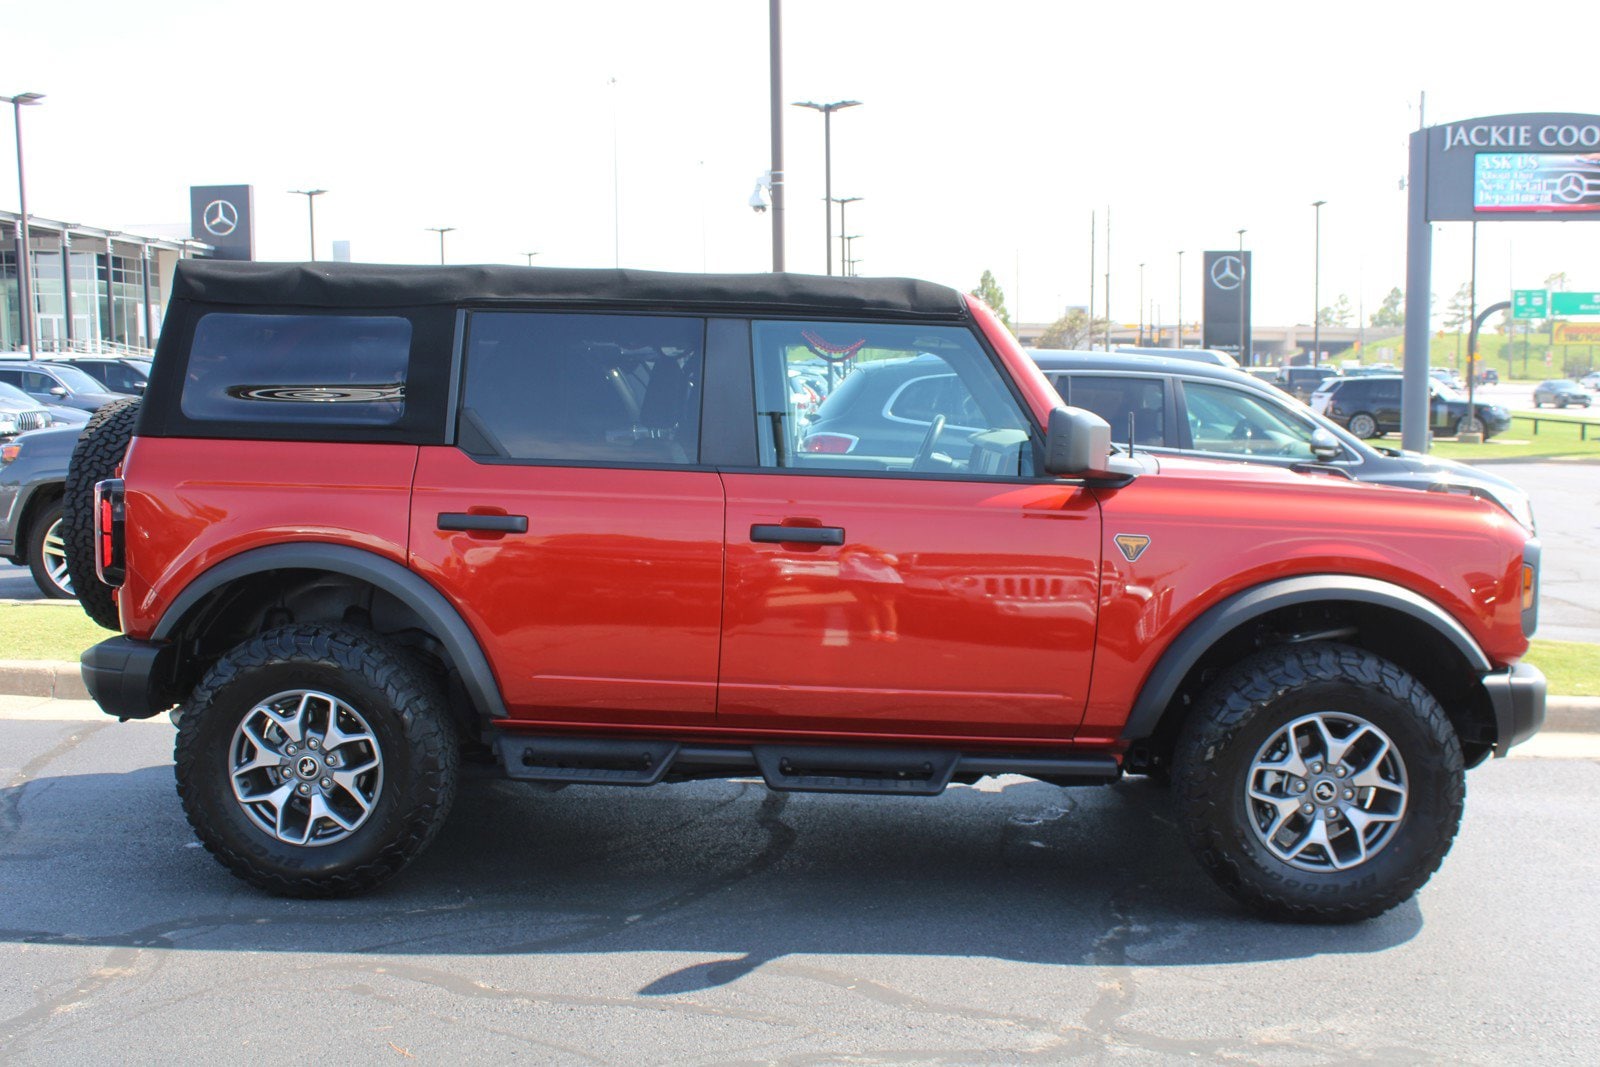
905 592
572 523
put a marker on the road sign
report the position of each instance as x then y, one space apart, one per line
1529 303
1575 303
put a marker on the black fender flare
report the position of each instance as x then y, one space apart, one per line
1220 619
404 584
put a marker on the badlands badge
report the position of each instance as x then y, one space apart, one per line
1132 545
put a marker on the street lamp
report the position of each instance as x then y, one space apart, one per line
827 166
441 231
25 263
1316 287
311 207
1141 305
1244 333
1180 298
844 251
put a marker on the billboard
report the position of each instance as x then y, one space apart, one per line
1228 277
1529 181
223 216
1543 166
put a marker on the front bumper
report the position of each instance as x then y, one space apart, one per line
1517 696
125 677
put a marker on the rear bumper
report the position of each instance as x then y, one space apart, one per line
124 677
1517 696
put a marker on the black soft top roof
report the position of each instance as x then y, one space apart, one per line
369 285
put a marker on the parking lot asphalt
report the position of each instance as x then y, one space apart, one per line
720 923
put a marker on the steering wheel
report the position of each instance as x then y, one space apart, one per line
929 439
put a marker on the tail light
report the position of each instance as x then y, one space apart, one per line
829 444
110 529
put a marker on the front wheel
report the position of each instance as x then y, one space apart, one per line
1363 425
47 554
316 761
1468 425
1319 783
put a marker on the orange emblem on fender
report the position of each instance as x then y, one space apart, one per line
1132 545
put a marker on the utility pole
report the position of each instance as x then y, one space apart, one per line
775 49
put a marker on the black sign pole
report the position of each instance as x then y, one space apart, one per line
1419 281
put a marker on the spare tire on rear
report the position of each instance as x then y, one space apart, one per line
100 449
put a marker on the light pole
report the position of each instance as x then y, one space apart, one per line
1316 287
827 166
441 231
1180 298
1244 333
530 256
775 173
311 208
25 263
1141 305
844 250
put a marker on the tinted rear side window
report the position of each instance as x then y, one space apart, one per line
337 370
1115 399
564 388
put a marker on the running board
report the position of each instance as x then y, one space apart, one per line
788 768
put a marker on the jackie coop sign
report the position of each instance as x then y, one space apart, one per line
1524 167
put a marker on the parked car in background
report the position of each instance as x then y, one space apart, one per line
56 383
119 374
33 470
1489 376
1301 382
1217 413
1591 380
1370 407
1447 376
1198 355
1561 392
20 413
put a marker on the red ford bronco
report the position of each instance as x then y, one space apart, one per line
369 522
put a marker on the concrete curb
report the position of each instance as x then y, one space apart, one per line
61 680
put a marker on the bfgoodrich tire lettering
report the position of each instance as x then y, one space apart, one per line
375 826
1420 777
100 448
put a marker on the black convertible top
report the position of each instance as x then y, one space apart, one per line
383 285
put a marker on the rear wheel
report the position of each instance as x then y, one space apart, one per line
1319 783
1363 425
316 761
47 554
95 457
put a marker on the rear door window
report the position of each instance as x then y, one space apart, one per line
1116 399
583 388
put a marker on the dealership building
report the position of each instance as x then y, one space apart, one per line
93 289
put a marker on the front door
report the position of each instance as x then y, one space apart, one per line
572 526
895 569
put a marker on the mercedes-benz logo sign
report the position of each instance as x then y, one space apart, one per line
1227 272
1570 187
220 218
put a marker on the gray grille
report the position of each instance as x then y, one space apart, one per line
32 420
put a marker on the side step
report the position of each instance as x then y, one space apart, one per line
790 768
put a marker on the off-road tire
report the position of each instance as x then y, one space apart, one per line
38 563
1363 425
99 450
407 713
1262 694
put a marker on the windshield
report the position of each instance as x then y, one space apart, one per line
1445 391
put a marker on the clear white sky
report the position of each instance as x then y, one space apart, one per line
989 132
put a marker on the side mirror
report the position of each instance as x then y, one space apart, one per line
1324 445
58 390
1077 443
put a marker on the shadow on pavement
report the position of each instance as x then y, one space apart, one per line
1030 872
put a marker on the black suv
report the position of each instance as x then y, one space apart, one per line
56 383
1370 407
119 374
1216 413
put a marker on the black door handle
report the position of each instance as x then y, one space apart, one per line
459 520
798 535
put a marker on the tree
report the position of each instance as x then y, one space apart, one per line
1459 313
990 293
1393 310
1076 329
1338 314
